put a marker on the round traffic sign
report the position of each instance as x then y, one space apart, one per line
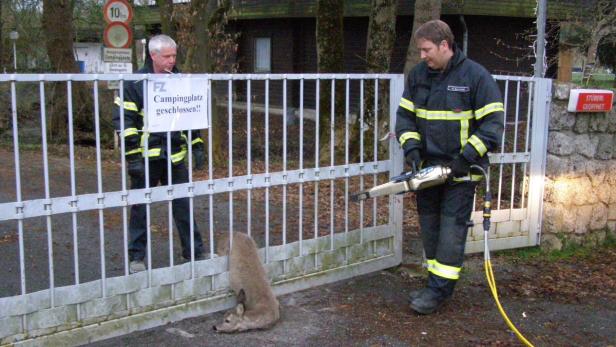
117 35
117 11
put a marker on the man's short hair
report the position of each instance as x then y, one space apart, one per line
436 31
158 42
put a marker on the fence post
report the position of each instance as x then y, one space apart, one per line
396 87
542 97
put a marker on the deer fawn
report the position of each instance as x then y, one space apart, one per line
257 307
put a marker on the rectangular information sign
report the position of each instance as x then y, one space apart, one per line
590 100
117 55
116 68
176 104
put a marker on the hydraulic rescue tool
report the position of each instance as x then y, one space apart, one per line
407 182
433 176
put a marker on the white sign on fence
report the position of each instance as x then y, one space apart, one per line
176 104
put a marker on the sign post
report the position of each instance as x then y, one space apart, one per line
118 39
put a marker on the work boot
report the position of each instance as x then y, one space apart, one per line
136 266
428 301
442 285
415 293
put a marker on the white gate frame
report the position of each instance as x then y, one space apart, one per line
108 307
520 227
112 306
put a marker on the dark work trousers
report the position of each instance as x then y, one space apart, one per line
181 212
443 214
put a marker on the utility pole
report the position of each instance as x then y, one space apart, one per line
542 9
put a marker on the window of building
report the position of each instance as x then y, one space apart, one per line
263 54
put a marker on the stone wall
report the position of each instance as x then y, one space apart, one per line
580 194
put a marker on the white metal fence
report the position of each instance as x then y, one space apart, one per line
64 208
517 172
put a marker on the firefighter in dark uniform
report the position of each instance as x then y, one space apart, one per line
162 50
451 113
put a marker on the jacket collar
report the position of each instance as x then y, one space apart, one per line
147 68
456 59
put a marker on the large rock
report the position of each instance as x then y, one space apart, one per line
577 166
581 191
557 219
611 172
570 192
602 194
595 238
582 220
596 171
611 212
560 119
598 122
582 123
586 145
598 220
556 166
611 121
561 91
560 143
550 242
605 146
611 228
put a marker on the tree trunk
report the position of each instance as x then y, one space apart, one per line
2 59
379 46
197 55
4 116
330 59
57 24
425 10
207 16
167 23
603 25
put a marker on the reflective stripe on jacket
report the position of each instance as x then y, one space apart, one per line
455 112
135 139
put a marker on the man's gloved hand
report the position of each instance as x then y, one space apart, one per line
199 154
459 166
136 167
413 159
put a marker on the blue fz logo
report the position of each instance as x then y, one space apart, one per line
159 87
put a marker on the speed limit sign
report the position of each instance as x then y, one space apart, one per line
117 35
117 11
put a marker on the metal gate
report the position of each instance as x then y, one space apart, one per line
517 172
65 261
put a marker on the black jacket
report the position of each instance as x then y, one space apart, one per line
455 112
134 137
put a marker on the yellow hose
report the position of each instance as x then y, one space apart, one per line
492 283
487 264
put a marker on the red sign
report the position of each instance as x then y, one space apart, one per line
117 11
117 35
594 102
590 100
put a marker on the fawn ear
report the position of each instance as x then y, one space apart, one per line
239 309
241 296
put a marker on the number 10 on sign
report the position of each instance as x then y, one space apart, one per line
117 11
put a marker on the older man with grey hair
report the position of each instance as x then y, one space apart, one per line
163 51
